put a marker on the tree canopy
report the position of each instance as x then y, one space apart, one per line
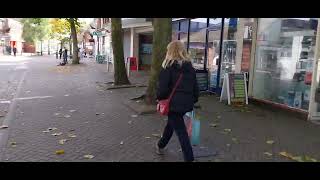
35 29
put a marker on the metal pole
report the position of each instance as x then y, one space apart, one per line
220 54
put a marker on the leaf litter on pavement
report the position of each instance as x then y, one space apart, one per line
88 156
67 116
59 152
71 135
270 142
57 134
72 110
3 127
297 158
62 141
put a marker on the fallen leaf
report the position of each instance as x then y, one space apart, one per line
297 158
56 134
71 130
66 95
28 91
51 129
227 130
234 139
3 127
72 135
97 113
67 116
310 159
57 114
156 135
147 137
59 152
86 122
46 131
62 141
213 125
72 111
88 156
267 153
134 115
285 154
129 122
270 142
121 143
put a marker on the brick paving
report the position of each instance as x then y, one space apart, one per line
101 135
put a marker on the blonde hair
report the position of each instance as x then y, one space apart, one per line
175 51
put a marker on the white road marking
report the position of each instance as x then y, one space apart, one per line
35 97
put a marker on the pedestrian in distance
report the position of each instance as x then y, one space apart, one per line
177 65
65 56
60 53
56 54
14 51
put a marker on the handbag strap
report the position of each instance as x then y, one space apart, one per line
175 87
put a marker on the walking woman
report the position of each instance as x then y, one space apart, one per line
176 63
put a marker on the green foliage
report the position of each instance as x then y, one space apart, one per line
35 29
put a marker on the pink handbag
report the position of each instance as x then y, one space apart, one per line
163 105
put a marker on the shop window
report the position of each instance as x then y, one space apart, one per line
183 33
175 30
229 47
284 61
197 42
213 50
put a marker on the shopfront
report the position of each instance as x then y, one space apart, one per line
277 53
207 39
284 61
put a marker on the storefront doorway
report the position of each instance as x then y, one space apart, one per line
145 51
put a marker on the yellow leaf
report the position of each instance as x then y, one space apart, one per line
270 142
227 130
285 154
297 158
59 152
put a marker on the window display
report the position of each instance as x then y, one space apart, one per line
197 44
284 61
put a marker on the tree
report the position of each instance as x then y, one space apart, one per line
120 75
73 23
161 38
60 30
35 29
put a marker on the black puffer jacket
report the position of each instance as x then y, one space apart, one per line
187 92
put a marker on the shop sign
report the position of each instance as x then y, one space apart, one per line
202 79
234 88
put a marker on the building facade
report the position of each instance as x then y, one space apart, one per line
279 55
11 35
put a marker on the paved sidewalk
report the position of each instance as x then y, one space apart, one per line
107 129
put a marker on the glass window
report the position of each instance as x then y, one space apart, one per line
198 29
175 30
284 60
183 33
229 47
214 33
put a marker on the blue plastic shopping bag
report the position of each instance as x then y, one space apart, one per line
195 137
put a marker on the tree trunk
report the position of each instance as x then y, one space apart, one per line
161 38
120 75
48 46
41 47
75 58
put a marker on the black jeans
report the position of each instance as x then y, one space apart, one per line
176 123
